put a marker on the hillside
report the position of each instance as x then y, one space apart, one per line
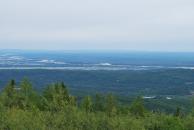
21 107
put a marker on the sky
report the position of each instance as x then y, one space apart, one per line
136 25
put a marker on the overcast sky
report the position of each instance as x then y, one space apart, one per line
149 25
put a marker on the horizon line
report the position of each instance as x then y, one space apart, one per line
96 50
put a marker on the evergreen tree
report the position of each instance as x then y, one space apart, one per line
57 96
26 87
28 95
9 90
178 112
8 95
111 105
137 108
87 104
99 102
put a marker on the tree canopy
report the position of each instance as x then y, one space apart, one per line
21 108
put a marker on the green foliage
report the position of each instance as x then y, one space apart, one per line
137 107
9 95
22 108
56 97
111 105
178 112
87 104
99 103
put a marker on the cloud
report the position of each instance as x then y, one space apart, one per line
98 24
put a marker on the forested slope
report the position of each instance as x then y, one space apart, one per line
21 108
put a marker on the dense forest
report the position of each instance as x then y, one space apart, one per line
125 82
23 108
178 84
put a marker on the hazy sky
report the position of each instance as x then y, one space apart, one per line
150 25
